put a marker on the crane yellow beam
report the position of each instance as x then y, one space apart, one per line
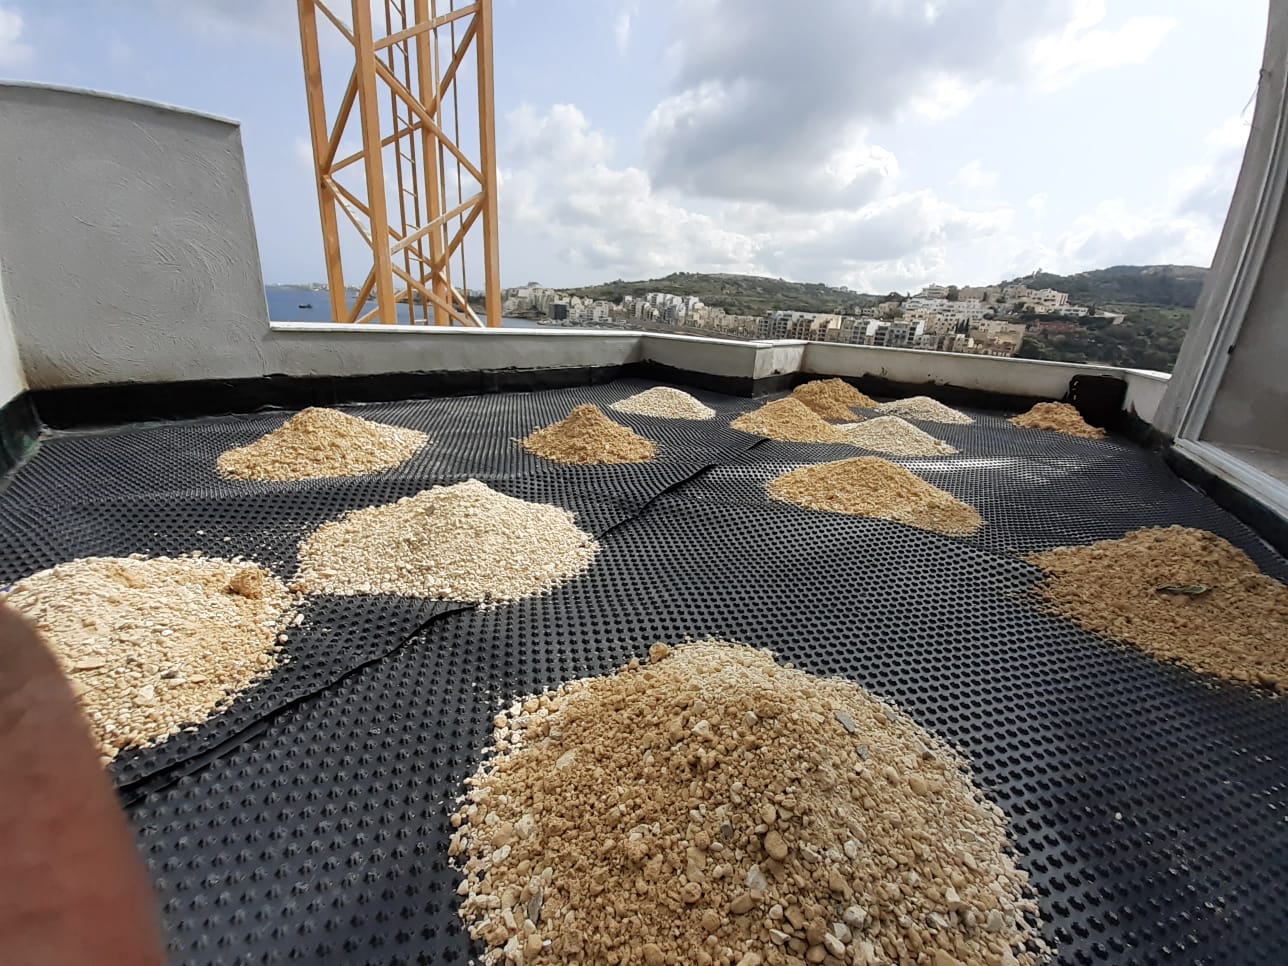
403 103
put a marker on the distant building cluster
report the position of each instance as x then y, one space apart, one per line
659 308
943 333
980 320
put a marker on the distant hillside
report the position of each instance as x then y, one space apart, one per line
1165 286
737 294
1156 300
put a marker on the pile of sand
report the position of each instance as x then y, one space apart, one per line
664 403
872 487
788 420
317 443
832 398
586 436
925 409
898 437
711 806
1183 595
463 542
1060 417
154 646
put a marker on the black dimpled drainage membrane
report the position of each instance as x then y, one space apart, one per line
155 490
1148 803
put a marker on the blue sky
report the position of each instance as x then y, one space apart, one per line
873 143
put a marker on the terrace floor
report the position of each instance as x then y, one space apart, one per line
310 820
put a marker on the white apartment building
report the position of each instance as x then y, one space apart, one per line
941 315
774 327
1041 300
898 333
847 329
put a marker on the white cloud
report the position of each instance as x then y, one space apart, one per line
765 106
1204 189
1184 229
13 51
1084 46
945 96
622 26
568 197
973 176
1232 133
1114 233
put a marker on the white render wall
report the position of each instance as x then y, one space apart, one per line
127 246
12 381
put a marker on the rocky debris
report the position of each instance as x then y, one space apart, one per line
153 646
872 487
1237 628
1060 417
461 542
789 420
587 437
319 443
925 409
762 839
833 399
895 436
664 402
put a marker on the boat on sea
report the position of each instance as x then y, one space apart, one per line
305 305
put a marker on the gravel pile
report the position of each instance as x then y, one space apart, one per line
789 420
869 486
586 436
711 806
464 542
317 443
1060 417
924 408
832 398
665 403
898 437
1183 595
155 646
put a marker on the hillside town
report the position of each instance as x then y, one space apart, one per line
984 320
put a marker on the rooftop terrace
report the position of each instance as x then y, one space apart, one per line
311 817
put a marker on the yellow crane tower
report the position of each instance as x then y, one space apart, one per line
406 86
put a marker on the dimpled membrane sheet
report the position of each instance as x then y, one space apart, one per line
1148 803
155 490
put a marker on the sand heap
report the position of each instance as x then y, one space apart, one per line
924 408
317 443
1183 595
711 806
898 437
789 420
1060 417
586 436
463 542
153 646
872 487
664 403
832 398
